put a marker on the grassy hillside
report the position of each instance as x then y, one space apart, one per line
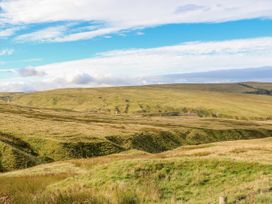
241 170
218 100
30 136
77 123
150 144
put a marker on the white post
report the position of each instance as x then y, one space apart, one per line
223 200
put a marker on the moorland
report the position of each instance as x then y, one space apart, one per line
179 143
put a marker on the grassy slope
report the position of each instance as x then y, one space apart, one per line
192 174
83 122
219 100
42 135
79 123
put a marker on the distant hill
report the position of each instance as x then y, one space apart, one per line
216 100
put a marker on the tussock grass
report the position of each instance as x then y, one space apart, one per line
158 181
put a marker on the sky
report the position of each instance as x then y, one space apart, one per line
48 44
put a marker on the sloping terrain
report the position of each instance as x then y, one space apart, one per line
150 144
240 170
31 136
213 100
79 123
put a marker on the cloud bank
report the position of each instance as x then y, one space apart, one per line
130 67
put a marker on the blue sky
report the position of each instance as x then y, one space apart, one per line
45 45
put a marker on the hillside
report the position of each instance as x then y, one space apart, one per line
213 100
75 123
241 170
120 139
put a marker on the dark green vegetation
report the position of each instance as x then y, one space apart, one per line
51 126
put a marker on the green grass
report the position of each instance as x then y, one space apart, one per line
12 158
45 135
151 144
264 198
183 175
78 123
219 100
190 180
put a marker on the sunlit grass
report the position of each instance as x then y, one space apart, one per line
184 175
152 144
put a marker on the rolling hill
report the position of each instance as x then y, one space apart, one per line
222 100
122 138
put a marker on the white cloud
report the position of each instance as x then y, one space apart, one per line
6 52
128 66
118 15
188 57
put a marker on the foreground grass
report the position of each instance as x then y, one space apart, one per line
24 189
190 174
191 181
264 198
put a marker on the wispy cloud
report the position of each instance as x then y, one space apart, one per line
87 34
8 32
48 34
115 17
